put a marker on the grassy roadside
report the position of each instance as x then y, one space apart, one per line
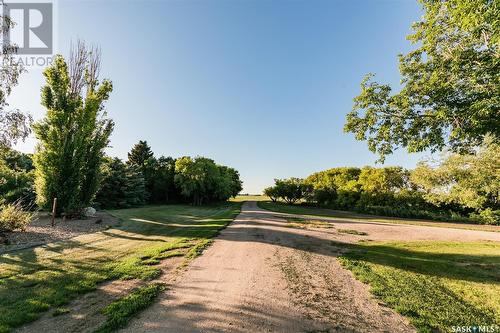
119 312
437 285
352 216
35 280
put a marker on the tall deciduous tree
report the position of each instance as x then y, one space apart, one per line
14 124
74 132
201 180
381 186
291 190
196 178
233 183
163 188
450 94
337 187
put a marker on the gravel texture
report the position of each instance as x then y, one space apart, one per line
260 275
40 231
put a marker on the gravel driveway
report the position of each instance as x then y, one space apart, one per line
260 275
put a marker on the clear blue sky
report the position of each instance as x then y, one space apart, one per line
262 86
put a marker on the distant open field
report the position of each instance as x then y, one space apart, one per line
242 198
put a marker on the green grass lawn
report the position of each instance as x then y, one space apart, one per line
352 216
437 285
35 280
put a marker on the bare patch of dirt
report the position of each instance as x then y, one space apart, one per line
329 294
40 231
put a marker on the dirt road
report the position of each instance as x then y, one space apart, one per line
266 272
262 276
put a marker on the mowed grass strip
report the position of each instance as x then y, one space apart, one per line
332 214
299 222
352 232
35 280
437 285
121 311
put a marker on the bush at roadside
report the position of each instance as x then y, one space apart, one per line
487 216
14 217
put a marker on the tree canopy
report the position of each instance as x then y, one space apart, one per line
471 180
160 178
14 124
16 178
290 190
202 181
450 86
457 187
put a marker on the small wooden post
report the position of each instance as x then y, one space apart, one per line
54 207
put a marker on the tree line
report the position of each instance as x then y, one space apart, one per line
448 101
458 187
141 179
146 179
69 162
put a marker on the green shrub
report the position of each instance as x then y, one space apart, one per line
396 192
14 217
405 212
289 190
487 216
16 177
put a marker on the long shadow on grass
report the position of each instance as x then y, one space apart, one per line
262 226
31 284
24 295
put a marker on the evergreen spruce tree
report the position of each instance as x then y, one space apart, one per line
122 186
140 154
